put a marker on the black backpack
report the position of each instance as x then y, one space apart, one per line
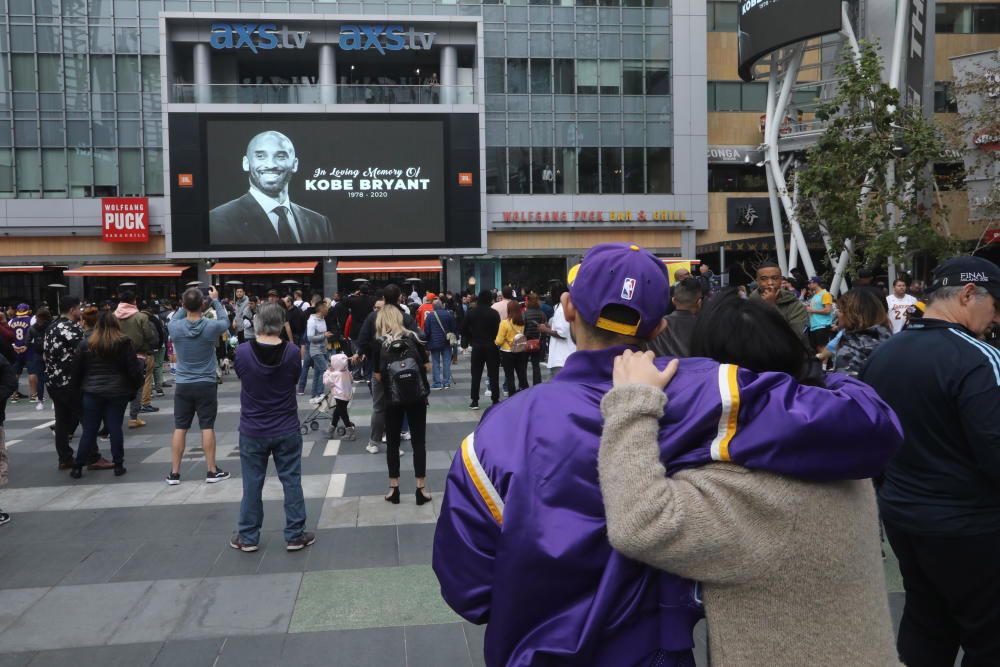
402 376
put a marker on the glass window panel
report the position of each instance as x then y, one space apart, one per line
632 77
563 76
22 38
50 101
152 131
49 73
29 171
494 75
567 181
25 133
517 44
127 74
986 19
517 76
54 172
6 172
23 72
496 170
519 174
953 18
49 39
727 96
154 171
126 9
149 40
611 45
104 133
518 132
496 131
78 133
81 173
634 134
611 170
542 132
586 81
657 78
633 171
102 74
611 133
128 133
657 47
541 44
658 171
754 97
586 44
541 103
130 172
105 172
6 126
493 43
611 77
25 102
102 39
543 179
53 133
102 7
541 76
722 16
589 180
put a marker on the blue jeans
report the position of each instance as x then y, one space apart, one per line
287 453
318 364
110 410
441 358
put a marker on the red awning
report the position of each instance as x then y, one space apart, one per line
128 271
390 266
26 268
250 268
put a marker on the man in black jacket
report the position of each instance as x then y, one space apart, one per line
940 496
480 328
8 385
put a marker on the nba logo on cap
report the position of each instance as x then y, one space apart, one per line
628 289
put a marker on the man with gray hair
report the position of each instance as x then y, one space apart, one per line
195 338
940 495
265 216
268 368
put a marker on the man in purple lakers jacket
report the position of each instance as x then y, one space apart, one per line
521 541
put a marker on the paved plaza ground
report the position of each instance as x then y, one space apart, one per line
128 571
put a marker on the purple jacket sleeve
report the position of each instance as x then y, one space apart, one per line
842 431
468 531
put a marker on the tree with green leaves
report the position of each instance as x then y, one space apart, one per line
871 167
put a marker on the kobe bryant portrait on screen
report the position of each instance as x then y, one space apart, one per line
265 215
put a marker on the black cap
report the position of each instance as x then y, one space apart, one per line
964 270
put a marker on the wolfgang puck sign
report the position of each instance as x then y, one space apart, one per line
125 219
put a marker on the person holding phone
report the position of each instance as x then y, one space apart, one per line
194 338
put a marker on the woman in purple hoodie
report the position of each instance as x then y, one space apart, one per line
269 427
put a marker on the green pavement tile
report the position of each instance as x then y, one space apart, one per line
369 598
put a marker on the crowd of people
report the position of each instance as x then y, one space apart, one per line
705 451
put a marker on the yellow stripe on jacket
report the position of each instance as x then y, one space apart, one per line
729 393
481 480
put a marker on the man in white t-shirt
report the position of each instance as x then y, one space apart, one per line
899 303
561 344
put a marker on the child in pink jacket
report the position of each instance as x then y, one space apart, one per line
337 380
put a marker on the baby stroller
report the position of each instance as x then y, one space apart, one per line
320 412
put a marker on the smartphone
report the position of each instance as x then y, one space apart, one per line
204 291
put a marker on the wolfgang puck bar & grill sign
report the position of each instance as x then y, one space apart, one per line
125 219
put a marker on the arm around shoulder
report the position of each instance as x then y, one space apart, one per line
714 523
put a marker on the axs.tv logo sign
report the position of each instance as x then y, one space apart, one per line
256 36
384 38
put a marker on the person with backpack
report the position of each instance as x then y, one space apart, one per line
136 326
513 346
400 367
442 334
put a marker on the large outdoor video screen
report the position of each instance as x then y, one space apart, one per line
767 25
330 181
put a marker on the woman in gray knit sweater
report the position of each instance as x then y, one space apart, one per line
791 570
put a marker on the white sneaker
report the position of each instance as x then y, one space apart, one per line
405 435
40 406
371 447
315 400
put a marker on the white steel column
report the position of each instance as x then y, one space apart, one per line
202 73
449 74
327 74
772 192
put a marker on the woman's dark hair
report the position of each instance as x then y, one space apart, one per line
485 298
532 300
750 334
107 336
515 313
861 309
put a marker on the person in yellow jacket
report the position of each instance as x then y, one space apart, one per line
513 349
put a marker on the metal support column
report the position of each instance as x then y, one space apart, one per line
202 73
327 74
449 75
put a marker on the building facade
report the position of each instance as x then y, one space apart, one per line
588 121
